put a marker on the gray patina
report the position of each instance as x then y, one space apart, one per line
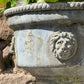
49 37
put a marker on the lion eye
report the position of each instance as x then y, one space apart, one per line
57 48
60 42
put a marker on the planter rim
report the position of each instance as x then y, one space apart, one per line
44 6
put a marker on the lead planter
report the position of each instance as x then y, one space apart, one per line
49 38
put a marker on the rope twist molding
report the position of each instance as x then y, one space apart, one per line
44 6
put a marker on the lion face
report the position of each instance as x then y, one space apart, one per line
64 48
63 45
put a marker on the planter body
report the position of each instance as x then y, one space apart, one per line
49 38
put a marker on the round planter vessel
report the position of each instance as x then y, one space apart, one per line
49 38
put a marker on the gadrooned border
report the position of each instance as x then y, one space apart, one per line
44 6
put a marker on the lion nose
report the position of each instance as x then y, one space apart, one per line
64 48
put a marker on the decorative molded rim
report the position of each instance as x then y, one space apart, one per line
44 6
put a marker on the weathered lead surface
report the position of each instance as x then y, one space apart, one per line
36 47
46 17
49 38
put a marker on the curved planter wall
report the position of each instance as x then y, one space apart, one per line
49 38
